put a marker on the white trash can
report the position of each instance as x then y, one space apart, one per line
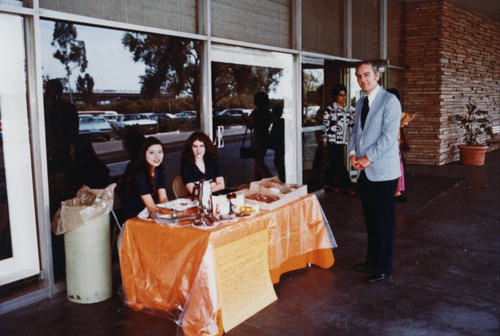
88 261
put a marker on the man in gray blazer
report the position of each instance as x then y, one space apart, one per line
374 153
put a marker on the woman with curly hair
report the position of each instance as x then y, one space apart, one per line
145 184
199 161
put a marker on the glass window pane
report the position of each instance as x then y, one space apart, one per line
265 22
274 72
323 26
135 81
234 87
177 15
18 236
18 3
312 121
113 84
366 29
312 100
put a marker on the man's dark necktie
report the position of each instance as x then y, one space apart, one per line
364 112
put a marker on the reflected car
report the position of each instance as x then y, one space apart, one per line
157 116
186 115
140 120
96 128
111 116
231 116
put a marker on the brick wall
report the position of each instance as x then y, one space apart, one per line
453 57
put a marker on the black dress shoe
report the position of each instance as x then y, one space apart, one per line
363 266
400 198
378 277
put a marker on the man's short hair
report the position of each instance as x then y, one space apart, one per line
336 90
374 66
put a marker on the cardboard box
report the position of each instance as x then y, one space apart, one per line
271 186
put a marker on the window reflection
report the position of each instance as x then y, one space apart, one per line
113 83
233 90
312 121
234 86
137 82
18 3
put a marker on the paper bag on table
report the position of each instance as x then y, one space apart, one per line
87 205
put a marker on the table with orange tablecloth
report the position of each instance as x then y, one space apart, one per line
170 271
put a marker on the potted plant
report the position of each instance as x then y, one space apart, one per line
475 123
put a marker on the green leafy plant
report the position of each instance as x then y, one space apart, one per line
474 122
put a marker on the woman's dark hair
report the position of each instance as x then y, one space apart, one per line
187 152
133 141
394 92
140 165
88 168
336 90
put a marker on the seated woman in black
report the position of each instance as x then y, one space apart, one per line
198 162
145 184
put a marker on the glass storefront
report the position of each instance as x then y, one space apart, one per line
165 70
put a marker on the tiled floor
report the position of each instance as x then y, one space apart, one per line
446 277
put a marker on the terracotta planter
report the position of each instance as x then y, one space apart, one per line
472 155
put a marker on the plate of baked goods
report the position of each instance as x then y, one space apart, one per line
179 205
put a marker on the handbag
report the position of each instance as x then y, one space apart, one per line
405 146
247 152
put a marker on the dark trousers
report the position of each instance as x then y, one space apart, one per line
336 167
279 162
260 169
378 209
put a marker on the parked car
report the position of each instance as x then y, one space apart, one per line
140 120
96 128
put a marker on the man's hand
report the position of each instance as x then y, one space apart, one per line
354 162
361 163
364 162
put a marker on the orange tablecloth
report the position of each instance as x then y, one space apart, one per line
170 271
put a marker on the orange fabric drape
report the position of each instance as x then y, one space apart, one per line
170 270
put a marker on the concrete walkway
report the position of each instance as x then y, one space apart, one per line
446 277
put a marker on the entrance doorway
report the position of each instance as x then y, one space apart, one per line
318 78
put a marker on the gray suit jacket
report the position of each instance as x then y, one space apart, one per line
379 139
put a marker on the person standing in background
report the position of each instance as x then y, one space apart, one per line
337 122
61 126
61 131
406 118
260 120
373 151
